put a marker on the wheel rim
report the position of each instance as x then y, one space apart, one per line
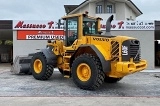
83 72
37 66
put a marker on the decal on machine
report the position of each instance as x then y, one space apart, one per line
124 50
101 39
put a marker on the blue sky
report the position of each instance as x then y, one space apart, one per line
54 9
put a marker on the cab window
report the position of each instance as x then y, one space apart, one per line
71 30
89 26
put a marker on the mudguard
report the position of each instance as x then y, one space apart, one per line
106 64
50 56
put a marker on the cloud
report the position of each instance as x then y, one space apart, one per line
54 9
150 9
33 9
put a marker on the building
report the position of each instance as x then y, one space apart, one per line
121 9
21 37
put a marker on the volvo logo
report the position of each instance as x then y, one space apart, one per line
101 39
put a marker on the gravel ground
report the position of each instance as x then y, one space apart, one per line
79 101
135 85
139 89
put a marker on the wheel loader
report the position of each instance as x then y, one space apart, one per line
87 55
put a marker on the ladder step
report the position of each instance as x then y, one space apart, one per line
67 76
66 63
66 69
67 56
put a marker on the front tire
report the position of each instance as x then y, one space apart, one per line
39 67
87 72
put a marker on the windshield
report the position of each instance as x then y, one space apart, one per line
89 26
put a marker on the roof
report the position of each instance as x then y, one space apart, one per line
72 8
134 6
69 8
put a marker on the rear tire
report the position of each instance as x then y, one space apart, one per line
39 67
87 72
111 79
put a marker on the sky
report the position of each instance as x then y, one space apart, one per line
54 9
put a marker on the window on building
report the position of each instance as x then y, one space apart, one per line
8 42
0 42
109 9
99 9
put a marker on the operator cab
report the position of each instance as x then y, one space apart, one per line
79 25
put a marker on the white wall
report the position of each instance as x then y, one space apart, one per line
92 9
129 13
24 47
147 44
120 11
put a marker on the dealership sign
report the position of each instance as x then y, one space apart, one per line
130 25
54 25
40 35
37 25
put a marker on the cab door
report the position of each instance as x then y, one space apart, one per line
71 30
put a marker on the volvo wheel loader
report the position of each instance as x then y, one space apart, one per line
87 55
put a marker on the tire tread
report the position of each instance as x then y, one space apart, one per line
100 76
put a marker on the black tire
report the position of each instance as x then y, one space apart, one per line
29 72
60 70
111 80
47 69
96 77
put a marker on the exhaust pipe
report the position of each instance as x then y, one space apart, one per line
108 26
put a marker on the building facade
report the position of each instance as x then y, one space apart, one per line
121 9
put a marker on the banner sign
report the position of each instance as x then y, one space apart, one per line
54 25
130 25
40 35
37 25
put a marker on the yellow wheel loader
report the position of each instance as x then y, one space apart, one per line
87 55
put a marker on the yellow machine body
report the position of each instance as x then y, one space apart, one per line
118 68
87 55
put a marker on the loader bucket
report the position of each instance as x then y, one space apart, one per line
21 65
